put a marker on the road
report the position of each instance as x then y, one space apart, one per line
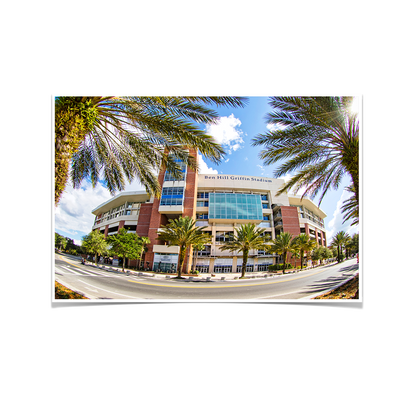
98 283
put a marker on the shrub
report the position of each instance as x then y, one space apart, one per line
278 267
64 293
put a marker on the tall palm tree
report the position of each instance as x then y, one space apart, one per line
350 207
197 247
282 244
182 232
246 237
339 241
305 244
319 139
118 138
143 241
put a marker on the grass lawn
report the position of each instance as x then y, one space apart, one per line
64 293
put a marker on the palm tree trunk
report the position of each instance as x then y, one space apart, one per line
73 119
181 260
350 161
140 260
284 262
62 159
244 264
66 145
195 261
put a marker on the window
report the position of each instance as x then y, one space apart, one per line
202 204
201 216
223 237
265 205
264 197
171 202
235 206
172 196
182 166
202 195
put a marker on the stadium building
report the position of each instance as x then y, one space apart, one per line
220 203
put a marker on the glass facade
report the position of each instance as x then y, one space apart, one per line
165 262
235 206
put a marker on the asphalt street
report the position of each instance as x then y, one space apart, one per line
96 283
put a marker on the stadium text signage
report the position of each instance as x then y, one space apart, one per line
237 178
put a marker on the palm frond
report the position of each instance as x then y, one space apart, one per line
317 140
350 207
125 138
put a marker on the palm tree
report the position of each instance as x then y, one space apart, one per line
120 138
350 207
196 247
339 241
295 253
304 244
143 241
282 244
182 232
246 237
318 137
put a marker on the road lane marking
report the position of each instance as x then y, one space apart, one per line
227 286
109 291
77 266
68 269
80 273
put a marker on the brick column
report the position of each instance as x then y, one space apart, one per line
121 225
154 223
189 205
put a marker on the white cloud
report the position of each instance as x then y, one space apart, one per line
74 211
135 186
246 159
203 167
235 147
261 167
336 223
299 192
226 132
227 160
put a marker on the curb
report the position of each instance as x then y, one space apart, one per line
149 274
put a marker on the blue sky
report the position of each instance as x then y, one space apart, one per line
235 130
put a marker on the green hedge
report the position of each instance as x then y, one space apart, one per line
278 267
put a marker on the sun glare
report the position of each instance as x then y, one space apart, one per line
354 106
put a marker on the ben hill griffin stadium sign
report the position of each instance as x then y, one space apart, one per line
237 178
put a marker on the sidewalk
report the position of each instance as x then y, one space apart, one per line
204 277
